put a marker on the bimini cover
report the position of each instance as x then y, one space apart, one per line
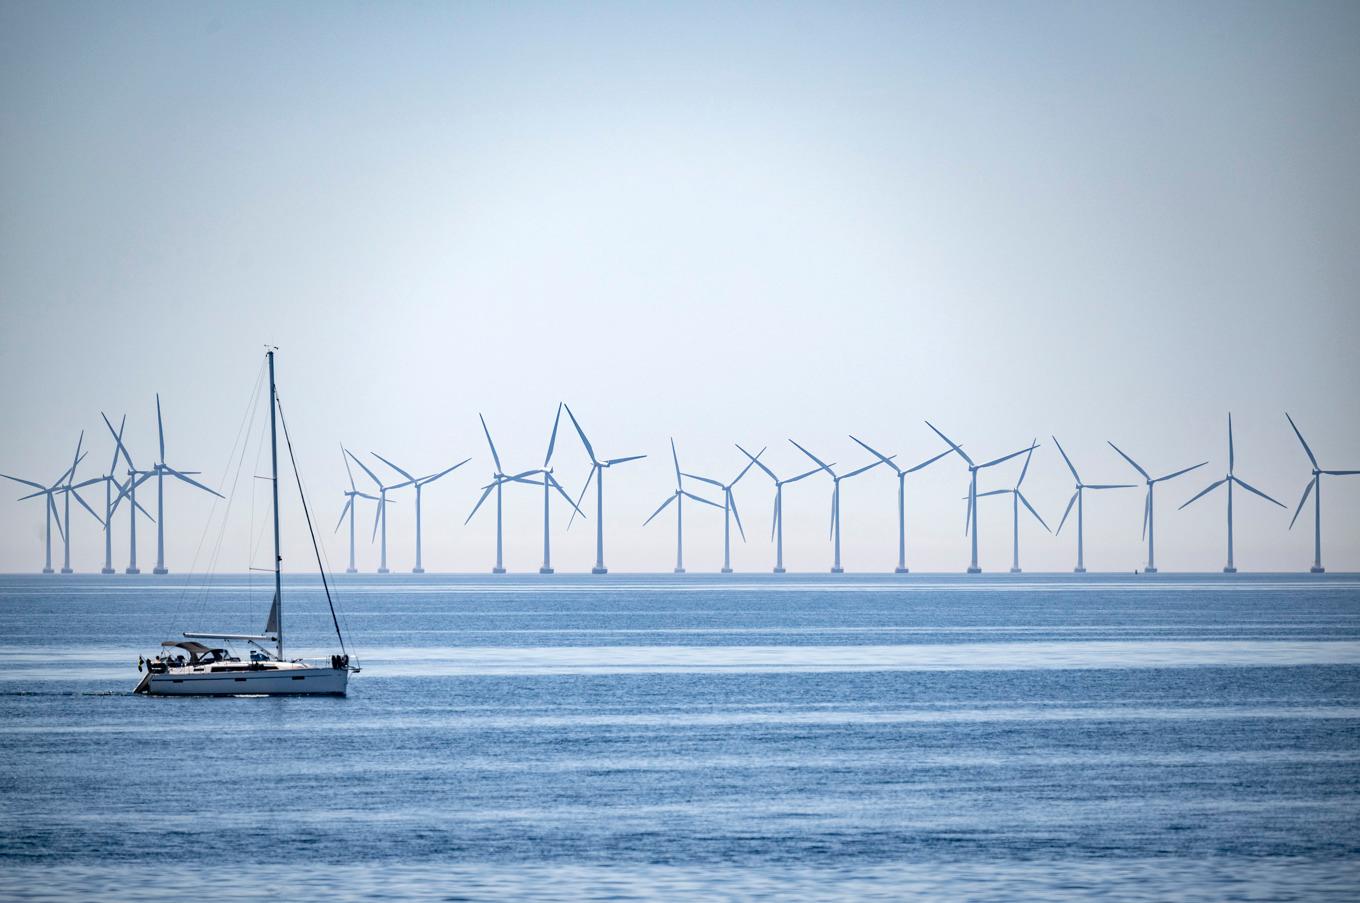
188 646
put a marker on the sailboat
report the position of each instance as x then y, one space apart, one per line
193 666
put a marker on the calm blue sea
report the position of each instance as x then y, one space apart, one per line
751 737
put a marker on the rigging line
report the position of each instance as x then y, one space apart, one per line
331 570
188 586
278 402
243 434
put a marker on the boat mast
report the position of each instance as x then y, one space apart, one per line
274 461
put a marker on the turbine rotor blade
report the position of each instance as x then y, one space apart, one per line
1070 502
192 482
409 478
1026 503
1308 451
755 459
576 506
349 503
1068 460
878 454
612 461
485 492
495 457
951 443
820 462
1306 491
1250 488
695 476
364 467
1132 463
552 440
1205 491
1006 457
732 503
582 433
699 498
1147 510
669 499
1172 476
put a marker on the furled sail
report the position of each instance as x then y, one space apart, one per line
271 627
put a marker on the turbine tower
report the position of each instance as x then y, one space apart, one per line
1314 486
350 508
971 524
1077 497
1018 499
597 469
729 510
498 480
380 513
129 490
418 483
67 490
549 483
835 530
902 497
51 510
1230 479
679 496
1149 515
160 469
777 522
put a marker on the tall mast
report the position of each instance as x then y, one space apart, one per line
274 462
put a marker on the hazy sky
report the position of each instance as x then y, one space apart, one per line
722 223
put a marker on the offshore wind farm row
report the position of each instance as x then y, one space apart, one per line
121 481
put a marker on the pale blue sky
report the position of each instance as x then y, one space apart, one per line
718 222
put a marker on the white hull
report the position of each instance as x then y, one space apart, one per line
290 682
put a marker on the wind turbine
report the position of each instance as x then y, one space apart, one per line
110 481
597 469
971 521
498 480
777 523
729 510
1149 519
1230 479
902 497
549 483
160 469
679 496
1077 498
351 505
418 483
67 490
836 478
380 514
1315 486
129 490
1017 499
51 509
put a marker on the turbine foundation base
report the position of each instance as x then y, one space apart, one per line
1317 569
599 570
498 570
545 570
776 570
1078 570
106 570
901 571
383 571
67 571
417 570
128 571
726 571
161 571
48 571
1149 570
974 570
838 570
351 570
1016 571
679 570
1230 570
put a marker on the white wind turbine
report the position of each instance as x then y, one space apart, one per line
777 522
380 513
50 508
597 469
549 484
351 506
835 530
1230 479
68 489
902 497
129 490
679 496
498 480
110 481
1315 486
418 483
1078 497
160 469
1149 514
1017 499
729 509
971 523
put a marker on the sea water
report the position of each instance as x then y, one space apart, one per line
739 737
